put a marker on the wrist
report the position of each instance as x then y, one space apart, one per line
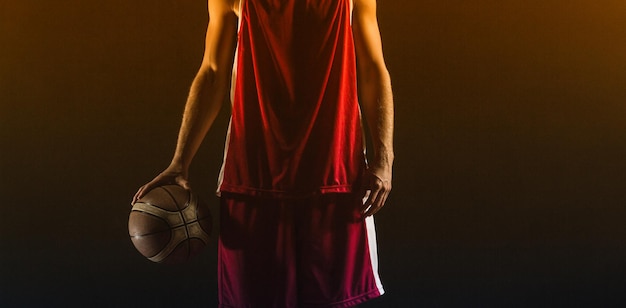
177 166
383 158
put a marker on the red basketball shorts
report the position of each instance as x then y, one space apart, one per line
316 252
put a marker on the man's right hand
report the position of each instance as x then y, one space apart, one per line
168 176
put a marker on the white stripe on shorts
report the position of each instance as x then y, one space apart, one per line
371 240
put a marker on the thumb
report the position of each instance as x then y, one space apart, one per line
183 183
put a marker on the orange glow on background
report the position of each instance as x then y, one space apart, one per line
510 151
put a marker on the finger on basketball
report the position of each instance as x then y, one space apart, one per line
137 195
143 190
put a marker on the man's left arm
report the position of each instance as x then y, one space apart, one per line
376 102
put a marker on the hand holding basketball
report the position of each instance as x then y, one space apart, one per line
169 224
171 175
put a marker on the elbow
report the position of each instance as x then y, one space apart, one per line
208 72
211 76
374 73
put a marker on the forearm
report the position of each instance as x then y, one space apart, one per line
205 99
377 104
206 96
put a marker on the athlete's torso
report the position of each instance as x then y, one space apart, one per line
295 126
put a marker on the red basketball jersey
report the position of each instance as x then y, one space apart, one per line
295 128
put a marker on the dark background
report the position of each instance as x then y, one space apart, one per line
510 151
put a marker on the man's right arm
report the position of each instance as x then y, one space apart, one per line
206 96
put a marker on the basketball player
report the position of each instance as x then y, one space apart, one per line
297 196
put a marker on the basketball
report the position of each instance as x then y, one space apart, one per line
169 225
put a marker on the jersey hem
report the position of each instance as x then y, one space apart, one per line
351 302
258 192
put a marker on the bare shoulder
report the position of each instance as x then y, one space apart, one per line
224 6
236 6
364 11
363 4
